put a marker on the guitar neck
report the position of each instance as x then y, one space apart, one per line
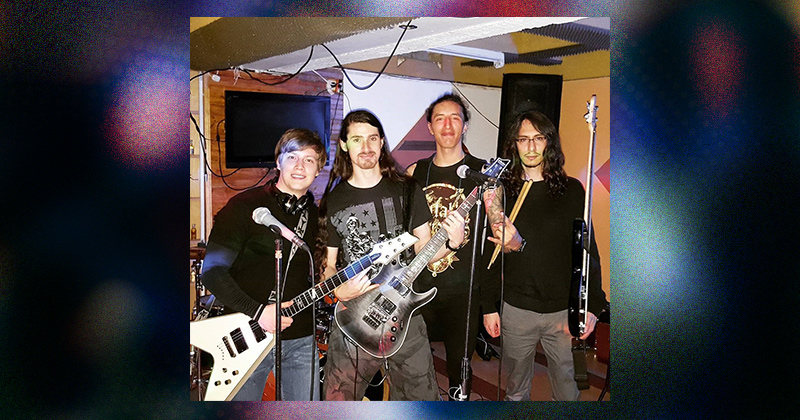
319 291
437 240
587 208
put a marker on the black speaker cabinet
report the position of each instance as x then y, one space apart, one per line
525 92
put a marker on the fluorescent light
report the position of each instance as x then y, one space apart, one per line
497 58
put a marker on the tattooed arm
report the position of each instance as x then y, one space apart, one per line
493 200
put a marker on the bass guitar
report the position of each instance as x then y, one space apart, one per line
579 285
376 321
581 238
238 344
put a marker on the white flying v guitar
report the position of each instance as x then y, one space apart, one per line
238 344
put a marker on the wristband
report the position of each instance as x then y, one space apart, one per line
521 247
447 245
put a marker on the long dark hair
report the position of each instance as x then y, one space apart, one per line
553 163
342 171
342 165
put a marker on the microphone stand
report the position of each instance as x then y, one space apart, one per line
466 370
278 298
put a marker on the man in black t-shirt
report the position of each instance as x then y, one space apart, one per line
239 266
372 202
539 261
446 316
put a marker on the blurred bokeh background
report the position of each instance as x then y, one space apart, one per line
705 139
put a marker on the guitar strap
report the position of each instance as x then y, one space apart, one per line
408 197
300 230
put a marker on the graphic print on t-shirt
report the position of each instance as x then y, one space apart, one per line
442 199
359 227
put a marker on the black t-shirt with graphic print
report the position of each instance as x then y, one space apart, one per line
444 192
358 218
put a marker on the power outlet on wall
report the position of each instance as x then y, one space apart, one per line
334 86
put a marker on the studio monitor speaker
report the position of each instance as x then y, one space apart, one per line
525 92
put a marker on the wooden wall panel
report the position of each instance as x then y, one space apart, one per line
303 84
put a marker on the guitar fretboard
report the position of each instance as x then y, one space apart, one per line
429 250
319 291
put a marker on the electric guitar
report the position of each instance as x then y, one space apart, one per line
238 344
377 320
581 238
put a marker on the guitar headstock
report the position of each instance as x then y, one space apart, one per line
385 251
496 167
591 116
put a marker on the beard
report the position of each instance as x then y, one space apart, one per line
534 165
366 162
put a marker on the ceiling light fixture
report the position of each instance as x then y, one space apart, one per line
495 57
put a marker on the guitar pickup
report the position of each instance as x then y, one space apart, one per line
398 285
387 305
238 340
257 331
378 311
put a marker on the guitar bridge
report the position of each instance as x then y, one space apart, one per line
379 311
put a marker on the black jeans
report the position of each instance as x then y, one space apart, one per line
446 318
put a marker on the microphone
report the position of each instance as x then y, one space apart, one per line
465 172
262 216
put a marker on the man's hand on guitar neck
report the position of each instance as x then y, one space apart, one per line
354 287
267 318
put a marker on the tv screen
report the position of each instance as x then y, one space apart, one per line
255 121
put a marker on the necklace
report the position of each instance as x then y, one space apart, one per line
428 176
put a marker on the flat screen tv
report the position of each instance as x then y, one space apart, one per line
255 121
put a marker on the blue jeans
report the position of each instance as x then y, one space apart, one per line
296 371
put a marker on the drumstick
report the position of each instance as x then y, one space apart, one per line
522 194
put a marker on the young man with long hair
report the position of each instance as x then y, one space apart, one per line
367 200
446 316
539 246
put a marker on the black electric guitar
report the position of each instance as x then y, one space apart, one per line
238 344
581 238
377 320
